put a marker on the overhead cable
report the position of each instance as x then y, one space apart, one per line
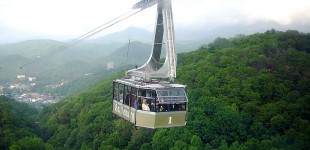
84 36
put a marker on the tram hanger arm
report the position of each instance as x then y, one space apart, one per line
143 4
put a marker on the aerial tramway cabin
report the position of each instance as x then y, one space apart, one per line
165 104
145 97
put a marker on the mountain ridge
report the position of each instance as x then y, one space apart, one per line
247 92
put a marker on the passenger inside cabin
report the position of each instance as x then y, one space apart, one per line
139 102
145 105
121 96
127 97
159 108
175 107
152 105
135 104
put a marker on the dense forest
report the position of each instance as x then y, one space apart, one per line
246 92
18 126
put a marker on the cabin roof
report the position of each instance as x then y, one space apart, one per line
149 85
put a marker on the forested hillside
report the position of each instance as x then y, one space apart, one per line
250 92
247 92
18 128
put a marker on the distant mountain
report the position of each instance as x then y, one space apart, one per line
52 50
95 48
185 40
188 39
135 49
30 48
49 62
138 53
132 33
41 59
10 67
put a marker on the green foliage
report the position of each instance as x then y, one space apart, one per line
248 92
83 121
219 43
28 143
17 121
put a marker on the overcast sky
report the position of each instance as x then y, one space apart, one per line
65 19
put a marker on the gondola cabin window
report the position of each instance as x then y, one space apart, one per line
133 98
173 99
121 93
157 100
115 91
127 92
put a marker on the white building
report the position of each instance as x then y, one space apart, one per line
21 77
32 79
110 65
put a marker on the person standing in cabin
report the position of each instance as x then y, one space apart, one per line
145 106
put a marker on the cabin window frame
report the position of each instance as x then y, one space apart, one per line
126 95
133 97
121 88
115 91
168 100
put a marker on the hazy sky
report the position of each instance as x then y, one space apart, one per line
63 19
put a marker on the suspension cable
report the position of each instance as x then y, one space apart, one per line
84 36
